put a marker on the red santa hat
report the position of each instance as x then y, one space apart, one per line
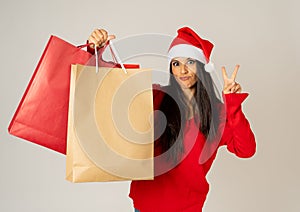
188 44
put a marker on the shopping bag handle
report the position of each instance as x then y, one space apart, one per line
96 54
83 45
115 55
113 52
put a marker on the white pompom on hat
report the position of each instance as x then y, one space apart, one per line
188 44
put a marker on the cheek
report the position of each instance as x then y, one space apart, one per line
193 70
194 79
175 71
194 75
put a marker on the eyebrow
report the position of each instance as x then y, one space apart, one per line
188 58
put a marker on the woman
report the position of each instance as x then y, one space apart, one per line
197 123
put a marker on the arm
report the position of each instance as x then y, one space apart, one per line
158 96
237 134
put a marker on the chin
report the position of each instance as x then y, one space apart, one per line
186 86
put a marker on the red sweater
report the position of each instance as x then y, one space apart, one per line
184 188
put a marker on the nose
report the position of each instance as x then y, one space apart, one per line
183 69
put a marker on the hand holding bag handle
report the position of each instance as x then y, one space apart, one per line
114 54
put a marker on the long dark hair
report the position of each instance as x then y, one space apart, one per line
175 106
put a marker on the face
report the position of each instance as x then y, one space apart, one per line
184 70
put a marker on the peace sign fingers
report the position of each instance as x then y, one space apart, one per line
230 86
235 71
233 76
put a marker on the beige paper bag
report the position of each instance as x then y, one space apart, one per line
110 125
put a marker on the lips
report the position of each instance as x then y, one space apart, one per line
184 78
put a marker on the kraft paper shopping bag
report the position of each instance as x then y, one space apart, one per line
110 125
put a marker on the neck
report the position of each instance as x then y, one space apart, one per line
189 93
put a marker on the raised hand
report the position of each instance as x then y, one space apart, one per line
230 86
99 37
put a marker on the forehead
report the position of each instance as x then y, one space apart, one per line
182 59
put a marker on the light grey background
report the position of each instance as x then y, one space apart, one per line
261 35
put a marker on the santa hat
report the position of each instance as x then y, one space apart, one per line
188 44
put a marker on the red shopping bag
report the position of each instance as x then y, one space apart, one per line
42 114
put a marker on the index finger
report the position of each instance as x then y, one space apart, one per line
224 73
235 71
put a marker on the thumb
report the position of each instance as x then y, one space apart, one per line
110 37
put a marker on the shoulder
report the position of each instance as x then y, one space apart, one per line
159 89
158 94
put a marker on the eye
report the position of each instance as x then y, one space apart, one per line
175 63
191 62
